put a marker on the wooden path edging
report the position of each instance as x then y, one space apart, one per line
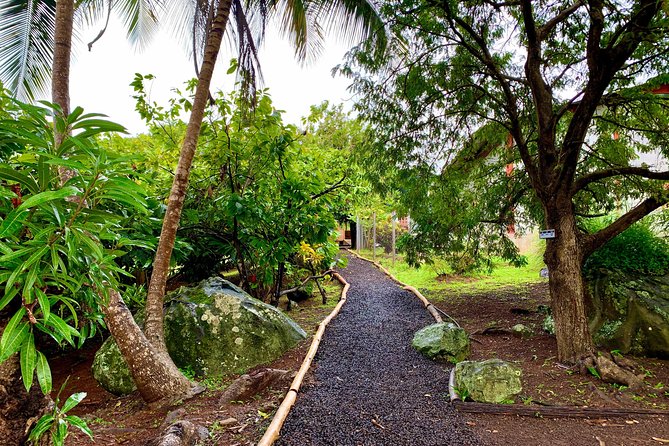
274 429
426 303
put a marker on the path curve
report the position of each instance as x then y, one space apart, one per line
370 386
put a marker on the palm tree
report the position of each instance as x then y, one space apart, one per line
305 22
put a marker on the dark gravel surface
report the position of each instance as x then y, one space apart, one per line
371 387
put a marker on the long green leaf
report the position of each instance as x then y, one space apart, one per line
13 222
28 361
79 424
24 180
44 373
14 335
43 425
49 195
72 401
44 303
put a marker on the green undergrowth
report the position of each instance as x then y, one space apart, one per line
438 278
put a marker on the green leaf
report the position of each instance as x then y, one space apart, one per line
44 303
72 401
21 178
59 434
42 425
13 222
14 334
80 424
50 195
28 362
62 329
7 298
44 373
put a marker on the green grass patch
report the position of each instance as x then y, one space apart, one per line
437 277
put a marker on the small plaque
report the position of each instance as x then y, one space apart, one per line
547 233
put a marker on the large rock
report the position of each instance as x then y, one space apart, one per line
212 329
630 314
442 341
491 381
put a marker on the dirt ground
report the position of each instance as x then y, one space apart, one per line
547 382
128 421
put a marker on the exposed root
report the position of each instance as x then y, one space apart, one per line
612 369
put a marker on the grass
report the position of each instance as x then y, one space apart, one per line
425 277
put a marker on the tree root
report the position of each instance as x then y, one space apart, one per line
612 369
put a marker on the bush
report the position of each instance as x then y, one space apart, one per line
637 250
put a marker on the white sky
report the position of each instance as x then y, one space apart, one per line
99 80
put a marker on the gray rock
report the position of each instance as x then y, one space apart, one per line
629 313
213 329
522 331
491 381
442 341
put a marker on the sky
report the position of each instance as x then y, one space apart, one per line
99 79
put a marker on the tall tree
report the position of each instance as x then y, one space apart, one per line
562 93
302 20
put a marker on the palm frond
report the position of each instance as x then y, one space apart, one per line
298 21
27 30
248 32
353 21
140 18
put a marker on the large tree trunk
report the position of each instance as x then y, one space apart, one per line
154 373
154 303
564 259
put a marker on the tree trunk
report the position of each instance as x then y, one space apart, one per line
564 259
18 408
154 302
62 52
154 373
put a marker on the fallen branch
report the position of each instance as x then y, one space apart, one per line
553 411
300 286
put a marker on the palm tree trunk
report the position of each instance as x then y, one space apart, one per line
153 326
62 53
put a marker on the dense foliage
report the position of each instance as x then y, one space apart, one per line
64 211
259 190
637 250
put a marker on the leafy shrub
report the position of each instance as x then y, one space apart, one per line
59 237
636 250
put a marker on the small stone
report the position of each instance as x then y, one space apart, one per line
228 422
522 331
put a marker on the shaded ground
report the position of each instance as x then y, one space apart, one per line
548 382
371 387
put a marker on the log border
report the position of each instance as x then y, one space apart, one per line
274 429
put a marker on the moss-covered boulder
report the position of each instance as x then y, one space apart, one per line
490 381
629 313
213 328
442 341
111 371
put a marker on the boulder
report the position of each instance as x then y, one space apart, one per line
111 371
630 314
490 381
442 341
522 331
213 329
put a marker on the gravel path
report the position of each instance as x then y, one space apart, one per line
371 387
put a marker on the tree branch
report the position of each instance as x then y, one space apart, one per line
546 29
643 172
300 286
593 241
